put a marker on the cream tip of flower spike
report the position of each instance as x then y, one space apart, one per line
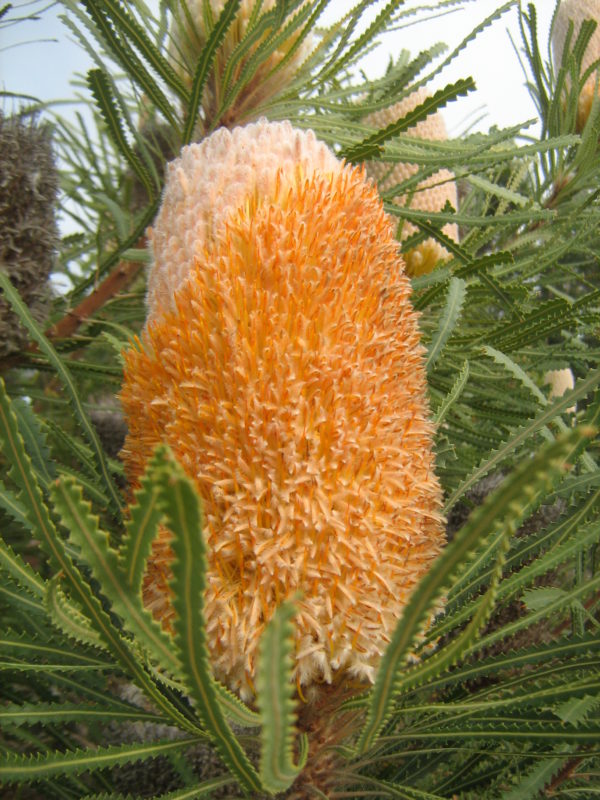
215 178
287 376
431 195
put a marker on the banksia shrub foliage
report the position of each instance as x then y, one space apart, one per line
570 15
350 546
28 229
246 36
432 194
287 376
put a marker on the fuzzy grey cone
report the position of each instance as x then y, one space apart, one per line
28 228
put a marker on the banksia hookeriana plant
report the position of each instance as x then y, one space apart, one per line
189 34
28 229
431 195
577 11
286 374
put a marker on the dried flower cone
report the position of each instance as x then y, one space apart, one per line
28 227
189 36
288 380
431 195
578 11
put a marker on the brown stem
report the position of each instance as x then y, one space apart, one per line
565 773
116 281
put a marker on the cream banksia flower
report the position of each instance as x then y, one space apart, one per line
577 11
189 36
285 371
430 195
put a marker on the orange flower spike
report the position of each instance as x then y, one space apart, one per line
282 364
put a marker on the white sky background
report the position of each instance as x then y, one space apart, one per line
39 59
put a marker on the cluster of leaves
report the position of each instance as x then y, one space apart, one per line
499 697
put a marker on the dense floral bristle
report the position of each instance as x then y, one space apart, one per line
430 195
212 179
577 11
288 379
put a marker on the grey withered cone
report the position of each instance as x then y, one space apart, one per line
28 228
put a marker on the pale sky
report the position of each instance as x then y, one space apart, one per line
45 58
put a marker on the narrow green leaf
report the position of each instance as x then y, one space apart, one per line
18 768
35 441
582 388
23 574
141 527
124 55
205 64
31 714
69 619
457 292
371 147
25 316
576 709
22 473
128 24
103 559
203 789
182 511
275 698
32 649
453 395
515 492
535 781
100 87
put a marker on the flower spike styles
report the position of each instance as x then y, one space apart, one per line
287 377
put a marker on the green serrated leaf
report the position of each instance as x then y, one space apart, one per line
120 49
25 316
30 714
275 698
457 292
68 618
103 559
371 147
453 395
101 89
205 63
582 388
576 709
23 574
516 492
182 510
141 527
19 769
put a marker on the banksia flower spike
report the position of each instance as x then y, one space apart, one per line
281 362
189 36
577 11
28 228
431 195
560 381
